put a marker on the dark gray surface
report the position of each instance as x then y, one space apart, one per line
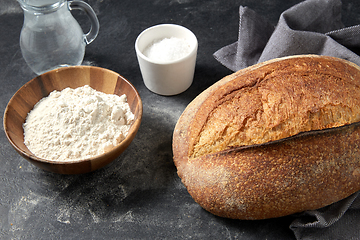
139 195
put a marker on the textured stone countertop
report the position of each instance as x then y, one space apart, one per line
139 195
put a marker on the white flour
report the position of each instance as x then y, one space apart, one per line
76 124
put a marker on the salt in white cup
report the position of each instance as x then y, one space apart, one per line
172 77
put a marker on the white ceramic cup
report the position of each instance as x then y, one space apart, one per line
169 78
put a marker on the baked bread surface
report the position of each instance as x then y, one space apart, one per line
249 147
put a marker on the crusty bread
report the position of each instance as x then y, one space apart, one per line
277 138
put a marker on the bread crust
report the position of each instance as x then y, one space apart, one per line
292 172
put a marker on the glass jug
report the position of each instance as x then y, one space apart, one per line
51 37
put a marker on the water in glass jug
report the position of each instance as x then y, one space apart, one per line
51 37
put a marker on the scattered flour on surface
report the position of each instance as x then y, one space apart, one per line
76 124
168 49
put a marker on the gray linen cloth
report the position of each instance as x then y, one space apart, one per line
310 27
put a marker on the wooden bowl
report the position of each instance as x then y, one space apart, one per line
28 95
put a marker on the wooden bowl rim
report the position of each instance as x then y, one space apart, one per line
128 139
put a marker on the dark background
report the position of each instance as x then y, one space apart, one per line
139 195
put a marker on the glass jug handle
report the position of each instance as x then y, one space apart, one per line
83 6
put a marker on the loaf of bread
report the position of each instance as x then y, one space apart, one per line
274 139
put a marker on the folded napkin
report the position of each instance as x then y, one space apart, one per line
330 222
310 27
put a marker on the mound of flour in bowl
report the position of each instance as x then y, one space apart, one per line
76 124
